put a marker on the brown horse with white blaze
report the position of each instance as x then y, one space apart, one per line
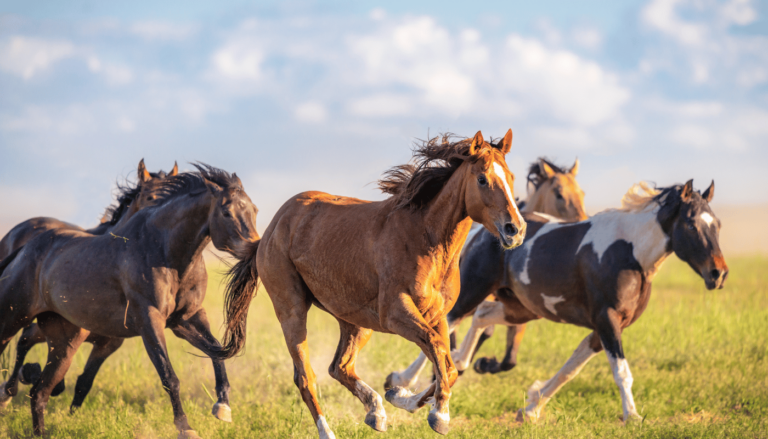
390 266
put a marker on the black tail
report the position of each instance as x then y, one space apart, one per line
241 288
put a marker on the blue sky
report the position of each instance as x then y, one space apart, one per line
303 95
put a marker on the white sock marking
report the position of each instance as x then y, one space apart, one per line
624 380
323 429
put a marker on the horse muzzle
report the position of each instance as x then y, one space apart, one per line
511 236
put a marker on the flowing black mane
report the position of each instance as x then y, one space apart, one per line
537 176
126 194
434 161
194 182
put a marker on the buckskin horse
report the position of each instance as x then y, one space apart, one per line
135 282
595 273
131 199
555 192
389 266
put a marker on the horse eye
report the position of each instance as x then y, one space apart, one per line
482 181
226 213
558 195
690 226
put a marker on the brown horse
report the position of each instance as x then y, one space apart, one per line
130 200
554 191
388 266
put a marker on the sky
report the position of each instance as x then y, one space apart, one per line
311 95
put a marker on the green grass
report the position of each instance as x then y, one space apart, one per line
698 358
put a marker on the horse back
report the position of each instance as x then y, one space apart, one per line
24 231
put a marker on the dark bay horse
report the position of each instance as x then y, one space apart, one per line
554 191
595 273
388 266
137 284
131 199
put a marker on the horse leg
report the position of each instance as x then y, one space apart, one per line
64 339
541 392
103 347
11 323
491 365
197 331
152 333
30 336
403 318
352 339
609 329
487 315
408 377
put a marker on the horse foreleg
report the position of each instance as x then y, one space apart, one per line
103 347
352 339
403 318
197 331
30 336
491 365
609 329
407 378
487 315
152 333
64 339
541 392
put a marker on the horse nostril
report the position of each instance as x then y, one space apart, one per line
510 229
715 274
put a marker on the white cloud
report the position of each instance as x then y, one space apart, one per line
113 74
311 112
240 61
73 119
587 37
27 56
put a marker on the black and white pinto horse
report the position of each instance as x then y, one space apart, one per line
597 274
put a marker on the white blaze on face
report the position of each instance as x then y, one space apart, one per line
707 218
499 170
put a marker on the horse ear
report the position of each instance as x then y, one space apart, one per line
175 170
477 143
710 192
546 169
506 143
142 172
687 191
575 168
214 188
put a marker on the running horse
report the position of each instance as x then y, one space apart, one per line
553 190
137 281
595 274
131 199
390 266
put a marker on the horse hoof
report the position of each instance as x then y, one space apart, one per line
30 373
222 412
388 382
633 418
188 434
438 422
520 416
5 398
376 421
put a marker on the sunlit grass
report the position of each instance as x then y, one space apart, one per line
698 358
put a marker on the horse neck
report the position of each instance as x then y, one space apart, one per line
534 201
183 223
446 220
642 228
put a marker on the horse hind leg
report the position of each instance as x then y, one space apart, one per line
488 314
351 340
30 336
197 331
103 347
541 392
10 324
63 339
492 365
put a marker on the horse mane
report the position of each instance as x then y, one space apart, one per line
194 182
642 194
537 176
126 194
434 161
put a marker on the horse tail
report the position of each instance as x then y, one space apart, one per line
241 288
8 259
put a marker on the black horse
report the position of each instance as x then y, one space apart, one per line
135 281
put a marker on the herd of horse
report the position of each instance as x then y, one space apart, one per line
448 243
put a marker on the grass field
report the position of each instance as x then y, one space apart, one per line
698 358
